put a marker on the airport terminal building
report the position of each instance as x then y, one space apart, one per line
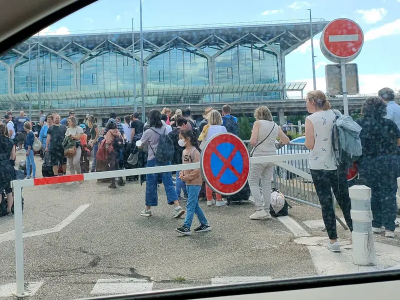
198 65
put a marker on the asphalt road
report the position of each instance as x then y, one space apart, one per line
108 239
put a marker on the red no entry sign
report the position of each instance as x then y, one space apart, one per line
225 163
342 40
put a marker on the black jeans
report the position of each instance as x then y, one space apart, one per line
325 181
380 174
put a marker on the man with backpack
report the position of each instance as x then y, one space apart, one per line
228 121
191 124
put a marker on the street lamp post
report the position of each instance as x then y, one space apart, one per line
312 52
142 64
134 70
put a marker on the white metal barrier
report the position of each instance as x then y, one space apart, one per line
19 184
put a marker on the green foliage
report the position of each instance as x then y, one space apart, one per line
180 279
244 128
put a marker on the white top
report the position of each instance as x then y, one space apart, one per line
322 157
268 146
127 131
10 126
213 130
74 131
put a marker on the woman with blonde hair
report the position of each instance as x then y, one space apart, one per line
74 132
213 127
263 137
325 174
176 116
166 111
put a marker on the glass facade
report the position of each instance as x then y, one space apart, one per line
84 64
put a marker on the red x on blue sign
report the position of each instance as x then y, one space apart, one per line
225 163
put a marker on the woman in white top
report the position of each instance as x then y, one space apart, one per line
127 128
74 132
325 174
263 138
213 127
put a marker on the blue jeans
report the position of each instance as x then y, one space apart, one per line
193 206
151 185
95 149
180 185
30 161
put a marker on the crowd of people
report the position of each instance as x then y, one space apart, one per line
130 142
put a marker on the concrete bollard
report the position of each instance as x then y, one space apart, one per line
361 214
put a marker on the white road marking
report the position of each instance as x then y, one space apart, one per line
293 226
238 280
316 224
121 286
9 236
7 290
343 38
329 263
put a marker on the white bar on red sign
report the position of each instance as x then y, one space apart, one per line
344 38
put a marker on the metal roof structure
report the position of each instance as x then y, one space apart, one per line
161 92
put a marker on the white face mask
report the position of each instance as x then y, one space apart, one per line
182 143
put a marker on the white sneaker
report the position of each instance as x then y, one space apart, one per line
146 213
260 215
334 247
378 230
210 203
221 203
179 213
389 234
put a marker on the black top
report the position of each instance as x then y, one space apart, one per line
93 132
7 172
174 135
138 126
57 135
378 137
203 123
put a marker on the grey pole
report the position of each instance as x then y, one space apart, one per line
344 87
134 71
312 52
30 84
39 75
142 64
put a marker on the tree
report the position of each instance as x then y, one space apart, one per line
244 128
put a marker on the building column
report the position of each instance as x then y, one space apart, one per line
281 117
211 74
282 72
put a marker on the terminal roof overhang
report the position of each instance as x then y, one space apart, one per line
159 92
288 34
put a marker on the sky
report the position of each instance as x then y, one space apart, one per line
378 62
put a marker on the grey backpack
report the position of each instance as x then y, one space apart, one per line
346 142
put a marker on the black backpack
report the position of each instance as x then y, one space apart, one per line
231 126
165 149
195 129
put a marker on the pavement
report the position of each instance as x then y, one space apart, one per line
88 240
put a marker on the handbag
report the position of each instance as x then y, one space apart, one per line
71 152
252 151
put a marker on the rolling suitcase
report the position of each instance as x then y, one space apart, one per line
241 196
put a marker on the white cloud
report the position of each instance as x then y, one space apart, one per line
118 18
60 31
320 64
299 5
388 29
306 47
373 15
90 20
272 12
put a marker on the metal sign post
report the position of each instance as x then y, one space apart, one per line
341 42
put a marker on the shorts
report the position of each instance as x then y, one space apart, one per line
58 158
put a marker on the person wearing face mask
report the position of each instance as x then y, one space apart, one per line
193 180
177 159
